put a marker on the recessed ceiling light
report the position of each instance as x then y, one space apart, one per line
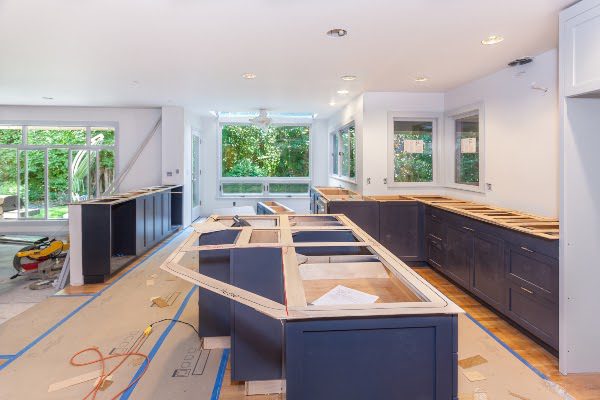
47 98
349 77
492 39
337 32
343 91
421 79
249 75
332 103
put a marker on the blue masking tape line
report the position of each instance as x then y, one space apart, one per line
507 347
158 343
220 374
83 305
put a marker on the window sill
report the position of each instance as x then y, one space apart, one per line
342 179
412 185
466 188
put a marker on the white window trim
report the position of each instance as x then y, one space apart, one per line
26 124
436 119
266 181
339 176
450 118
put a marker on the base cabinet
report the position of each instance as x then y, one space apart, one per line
401 229
459 254
488 278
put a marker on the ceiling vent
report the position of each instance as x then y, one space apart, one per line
520 61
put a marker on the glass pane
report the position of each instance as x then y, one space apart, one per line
10 135
8 184
34 183
93 164
102 136
413 153
58 183
352 153
467 150
106 174
288 188
38 135
242 188
195 171
345 139
79 175
335 154
279 151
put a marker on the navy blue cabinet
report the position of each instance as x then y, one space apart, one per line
459 254
401 229
488 280
365 214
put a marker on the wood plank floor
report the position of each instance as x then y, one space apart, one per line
580 386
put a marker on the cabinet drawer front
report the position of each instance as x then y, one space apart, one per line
534 268
434 228
435 253
533 313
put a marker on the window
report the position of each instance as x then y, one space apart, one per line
343 153
264 161
44 168
412 151
466 150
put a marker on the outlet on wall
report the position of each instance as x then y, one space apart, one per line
488 186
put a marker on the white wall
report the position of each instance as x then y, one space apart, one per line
375 132
209 148
133 126
521 133
353 111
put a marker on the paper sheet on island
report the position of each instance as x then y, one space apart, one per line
342 295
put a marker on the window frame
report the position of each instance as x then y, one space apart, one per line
450 133
265 181
88 125
435 119
337 133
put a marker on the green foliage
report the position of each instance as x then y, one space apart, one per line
413 167
279 151
33 161
467 164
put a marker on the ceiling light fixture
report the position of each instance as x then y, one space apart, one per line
337 32
349 77
249 75
343 91
421 79
47 98
492 39
332 103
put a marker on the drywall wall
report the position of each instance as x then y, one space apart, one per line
579 237
521 134
353 111
376 107
133 126
209 192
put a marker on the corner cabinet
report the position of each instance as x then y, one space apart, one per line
580 48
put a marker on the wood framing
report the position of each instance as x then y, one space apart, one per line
547 228
427 300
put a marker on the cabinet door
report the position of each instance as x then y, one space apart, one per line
365 214
528 266
580 49
401 229
488 280
459 251
149 220
158 229
140 226
166 213
434 253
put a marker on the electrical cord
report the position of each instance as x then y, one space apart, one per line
134 351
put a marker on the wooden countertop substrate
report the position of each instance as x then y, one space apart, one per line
547 228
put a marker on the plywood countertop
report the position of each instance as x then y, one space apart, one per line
546 228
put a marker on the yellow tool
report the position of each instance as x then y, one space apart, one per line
29 258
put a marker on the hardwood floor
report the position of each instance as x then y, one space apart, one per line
580 386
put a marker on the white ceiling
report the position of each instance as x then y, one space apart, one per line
192 52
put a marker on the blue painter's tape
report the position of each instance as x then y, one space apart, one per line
220 374
507 347
158 343
73 295
6 356
83 305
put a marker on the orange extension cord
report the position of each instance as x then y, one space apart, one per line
135 348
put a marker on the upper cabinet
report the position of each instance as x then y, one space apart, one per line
580 49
